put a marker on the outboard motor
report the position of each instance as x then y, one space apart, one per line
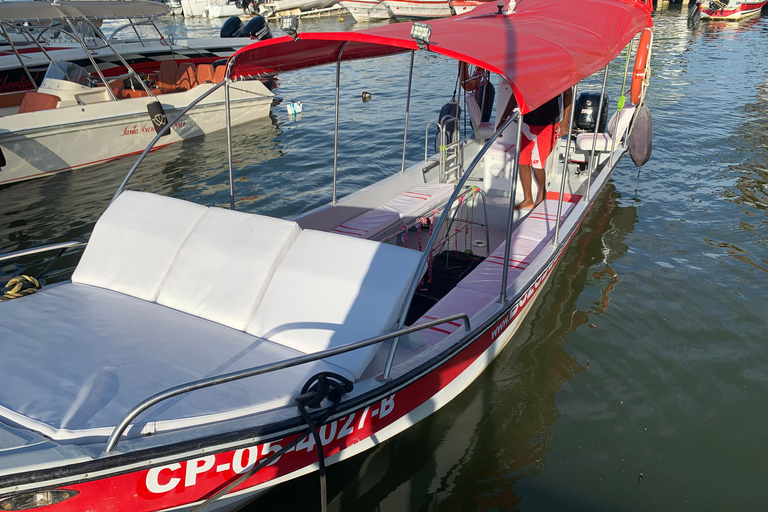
585 115
257 29
233 27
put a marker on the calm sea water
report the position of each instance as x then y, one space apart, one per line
639 380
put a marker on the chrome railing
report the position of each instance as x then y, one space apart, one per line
117 433
63 246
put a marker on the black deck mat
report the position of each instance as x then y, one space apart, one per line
448 268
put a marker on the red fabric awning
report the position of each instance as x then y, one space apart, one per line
542 49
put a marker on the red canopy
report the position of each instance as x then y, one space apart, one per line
542 48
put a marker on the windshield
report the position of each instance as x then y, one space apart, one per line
68 71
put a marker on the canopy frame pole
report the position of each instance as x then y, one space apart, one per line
18 56
122 60
336 123
597 129
407 111
511 217
228 80
90 57
556 239
37 43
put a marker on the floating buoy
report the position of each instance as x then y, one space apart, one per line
294 107
366 96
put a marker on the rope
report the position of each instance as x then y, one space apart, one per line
324 385
623 98
19 287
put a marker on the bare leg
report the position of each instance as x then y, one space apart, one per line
541 177
526 181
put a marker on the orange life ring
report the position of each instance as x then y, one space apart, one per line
641 62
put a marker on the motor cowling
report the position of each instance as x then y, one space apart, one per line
587 105
257 29
233 27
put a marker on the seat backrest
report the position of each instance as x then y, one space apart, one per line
167 76
204 73
332 289
220 73
222 270
36 101
187 76
135 242
619 122
475 115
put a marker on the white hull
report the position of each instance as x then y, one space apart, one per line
732 12
269 9
423 9
223 10
367 10
44 143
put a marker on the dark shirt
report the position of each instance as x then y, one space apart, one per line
544 115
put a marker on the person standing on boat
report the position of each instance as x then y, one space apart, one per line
541 128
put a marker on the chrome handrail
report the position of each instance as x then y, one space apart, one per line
431 242
114 438
42 248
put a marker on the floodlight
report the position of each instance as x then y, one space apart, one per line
420 33
500 6
290 25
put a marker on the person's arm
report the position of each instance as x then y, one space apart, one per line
562 128
511 104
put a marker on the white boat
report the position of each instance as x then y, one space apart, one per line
730 10
39 29
280 7
217 8
367 10
418 9
200 356
462 6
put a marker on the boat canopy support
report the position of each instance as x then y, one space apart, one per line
594 135
407 111
574 90
227 110
336 121
117 433
511 214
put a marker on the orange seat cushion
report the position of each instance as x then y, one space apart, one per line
204 73
124 93
167 76
36 101
220 73
187 77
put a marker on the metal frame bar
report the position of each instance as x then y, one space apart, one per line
90 57
165 130
556 238
511 217
597 129
228 115
336 122
35 41
18 56
431 242
42 248
117 433
407 111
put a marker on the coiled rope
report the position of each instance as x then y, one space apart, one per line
19 287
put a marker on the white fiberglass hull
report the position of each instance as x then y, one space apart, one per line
43 143
367 10
735 12
410 9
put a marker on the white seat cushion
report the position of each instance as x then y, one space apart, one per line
540 224
458 300
224 266
617 126
331 290
135 242
98 353
402 209
584 142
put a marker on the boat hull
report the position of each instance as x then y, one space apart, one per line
732 13
418 9
366 10
111 130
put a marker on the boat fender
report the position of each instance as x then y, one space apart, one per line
158 117
257 29
641 66
450 109
640 139
233 27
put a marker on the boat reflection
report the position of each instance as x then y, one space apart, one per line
476 452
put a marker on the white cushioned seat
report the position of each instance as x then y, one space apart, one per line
331 290
458 300
540 224
76 358
401 209
617 127
135 242
223 268
483 130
